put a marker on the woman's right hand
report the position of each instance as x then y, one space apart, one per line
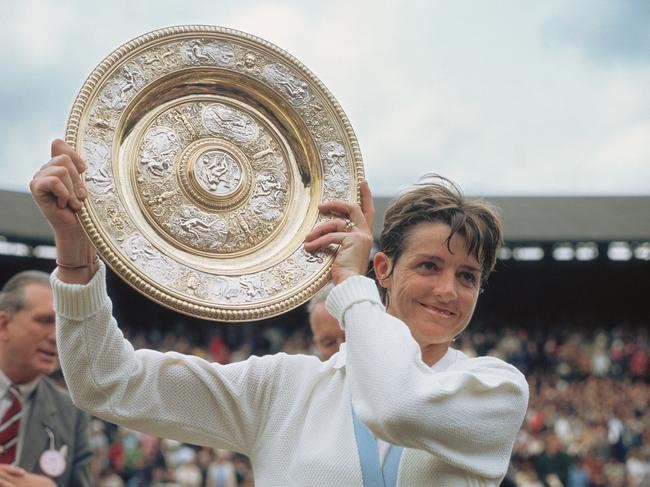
58 189
59 192
350 229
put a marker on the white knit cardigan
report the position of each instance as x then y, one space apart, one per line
291 414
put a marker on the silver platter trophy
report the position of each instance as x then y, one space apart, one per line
208 152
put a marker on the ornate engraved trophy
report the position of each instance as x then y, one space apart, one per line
208 152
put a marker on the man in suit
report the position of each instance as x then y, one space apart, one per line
328 334
43 436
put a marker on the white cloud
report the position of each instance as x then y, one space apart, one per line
34 32
628 150
486 93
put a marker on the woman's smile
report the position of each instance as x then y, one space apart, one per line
438 311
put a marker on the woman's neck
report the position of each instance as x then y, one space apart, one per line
432 353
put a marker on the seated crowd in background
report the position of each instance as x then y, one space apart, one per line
588 422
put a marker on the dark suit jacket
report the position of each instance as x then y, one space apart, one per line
52 408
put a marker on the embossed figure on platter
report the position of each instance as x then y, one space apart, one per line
160 147
159 59
119 226
159 198
194 284
224 288
335 168
249 64
268 146
199 229
129 80
250 286
98 176
218 172
296 89
102 120
184 120
284 274
141 252
270 195
237 290
333 153
220 119
196 52
338 182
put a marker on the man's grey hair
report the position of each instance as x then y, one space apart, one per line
319 297
12 296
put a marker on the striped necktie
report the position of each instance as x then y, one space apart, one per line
9 427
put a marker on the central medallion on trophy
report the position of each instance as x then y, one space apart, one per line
215 173
218 172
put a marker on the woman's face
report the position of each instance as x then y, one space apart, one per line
431 289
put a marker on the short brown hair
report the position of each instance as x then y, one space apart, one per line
12 295
437 199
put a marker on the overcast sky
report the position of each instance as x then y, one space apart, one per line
507 97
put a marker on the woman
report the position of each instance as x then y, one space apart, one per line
396 406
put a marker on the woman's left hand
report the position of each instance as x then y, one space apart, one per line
351 229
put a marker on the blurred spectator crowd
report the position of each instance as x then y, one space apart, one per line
588 422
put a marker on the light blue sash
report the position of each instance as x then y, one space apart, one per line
373 475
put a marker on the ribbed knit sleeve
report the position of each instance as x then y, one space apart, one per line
468 415
165 394
77 301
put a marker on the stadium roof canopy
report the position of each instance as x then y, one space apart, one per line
526 218
566 218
